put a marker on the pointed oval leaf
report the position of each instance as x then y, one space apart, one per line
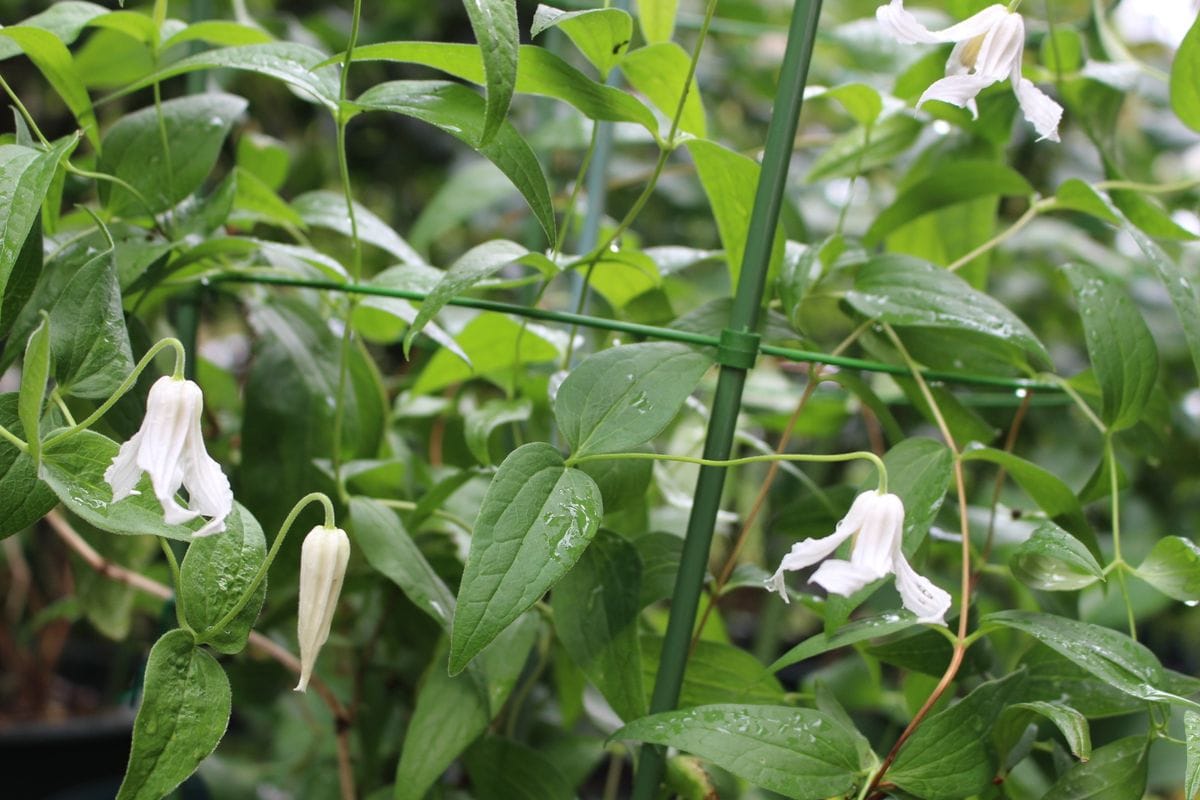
495 25
907 291
1116 771
534 523
388 548
1173 567
53 59
35 372
595 617
1191 727
460 112
88 335
601 34
1016 718
23 498
854 632
1185 79
658 71
1054 561
479 423
214 575
621 398
185 710
326 209
1119 344
797 752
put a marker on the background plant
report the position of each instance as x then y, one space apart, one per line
1011 326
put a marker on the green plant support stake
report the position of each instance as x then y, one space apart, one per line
742 322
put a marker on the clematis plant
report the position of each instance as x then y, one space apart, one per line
876 521
323 559
988 49
170 448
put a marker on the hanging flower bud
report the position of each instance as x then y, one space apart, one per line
323 560
170 448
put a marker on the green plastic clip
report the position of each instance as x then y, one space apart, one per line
738 349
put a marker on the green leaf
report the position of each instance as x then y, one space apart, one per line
495 25
109 605
65 19
215 574
539 72
852 633
1016 718
289 414
25 178
625 396
326 209
218 32
453 711
863 149
74 469
949 184
797 752
53 60
1112 657
919 470
1054 561
476 264
1075 195
1045 488
1173 567
623 482
184 713
950 756
1185 84
1119 344
860 100
1191 726
658 71
502 769
35 372
730 181
479 423
601 34
23 279
657 19
88 336
460 112
196 127
534 523
1179 288
716 673
906 291
297 65
23 498
1053 678
1116 771
389 549
494 345
595 617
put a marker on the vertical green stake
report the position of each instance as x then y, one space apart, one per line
743 318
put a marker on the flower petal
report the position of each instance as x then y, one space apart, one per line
919 595
879 535
810 551
842 577
124 473
208 488
904 27
958 90
1041 112
1001 49
169 408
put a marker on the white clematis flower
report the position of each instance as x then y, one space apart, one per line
323 559
988 49
170 447
878 521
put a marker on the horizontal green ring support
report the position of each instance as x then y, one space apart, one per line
648 331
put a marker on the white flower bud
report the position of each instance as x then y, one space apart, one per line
323 559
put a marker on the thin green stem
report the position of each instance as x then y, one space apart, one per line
569 212
315 497
173 566
24 112
1035 207
342 120
640 330
13 439
61 404
1114 487
1080 403
863 455
127 384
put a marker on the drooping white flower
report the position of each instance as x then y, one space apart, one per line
323 559
877 522
988 49
170 448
